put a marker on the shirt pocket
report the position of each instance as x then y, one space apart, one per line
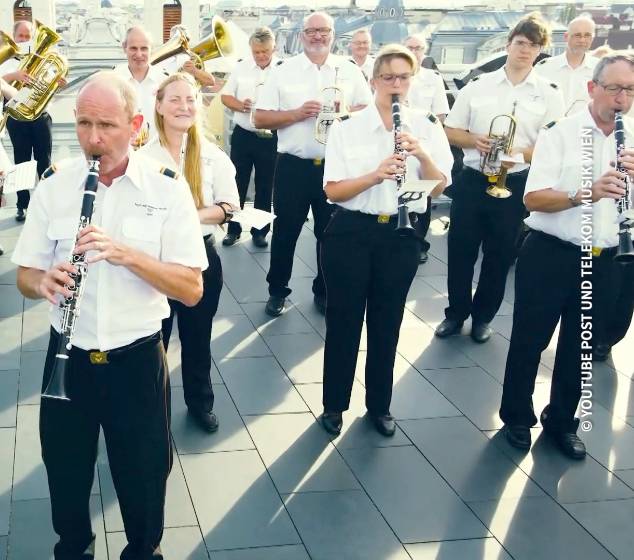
63 232
294 95
482 111
361 160
531 114
142 234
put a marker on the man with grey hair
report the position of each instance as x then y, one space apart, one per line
251 148
142 246
290 102
360 46
572 69
548 281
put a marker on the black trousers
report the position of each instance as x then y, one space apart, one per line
31 139
130 399
368 269
194 330
423 222
547 290
297 187
248 151
477 219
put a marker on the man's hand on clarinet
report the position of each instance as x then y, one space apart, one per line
626 160
53 282
610 185
93 238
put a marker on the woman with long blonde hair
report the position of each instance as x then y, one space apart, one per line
211 178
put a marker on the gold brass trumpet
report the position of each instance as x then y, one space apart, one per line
501 143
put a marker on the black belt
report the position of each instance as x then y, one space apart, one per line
363 216
315 161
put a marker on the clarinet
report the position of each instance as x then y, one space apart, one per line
56 388
625 252
404 225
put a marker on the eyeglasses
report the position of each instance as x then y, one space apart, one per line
312 31
582 35
391 78
415 49
526 44
360 43
613 89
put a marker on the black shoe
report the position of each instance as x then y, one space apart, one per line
568 442
481 332
230 239
424 257
1 250
20 215
320 303
206 420
601 352
260 241
384 424
332 422
518 436
448 327
275 306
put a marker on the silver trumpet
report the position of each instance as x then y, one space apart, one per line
625 252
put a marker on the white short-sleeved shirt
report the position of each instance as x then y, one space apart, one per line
246 82
289 85
145 91
357 146
489 95
573 82
143 209
9 66
367 67
557 164
218 173
427 92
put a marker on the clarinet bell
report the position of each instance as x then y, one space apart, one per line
404 224
625 252
56 388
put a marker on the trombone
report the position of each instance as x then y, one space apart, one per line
502 143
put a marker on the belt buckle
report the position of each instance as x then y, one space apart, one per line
383 219
596 251
318 161
98 358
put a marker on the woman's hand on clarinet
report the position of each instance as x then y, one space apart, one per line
55 280
93 238
389 168
412 146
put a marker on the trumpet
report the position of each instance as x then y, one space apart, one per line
331 110
502 143
403 224
46 70
625 251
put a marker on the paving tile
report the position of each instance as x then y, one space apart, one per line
472 464
182 543
31 372
29 478
626 476
425 351
300 269
402 484
228 305
32 536
433 267
567 481
8 398
260 386
533 528
613 390
36 329
243 276
298 454
10 336
357 430
179 510
7 271
473 549
429 309
610 522
175 366
7 448
189 438
12 301
290 322
235 501
4 541
343 525
235 337
420 289
611 440
292 552
301 356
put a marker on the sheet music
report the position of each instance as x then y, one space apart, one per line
252 218
21 176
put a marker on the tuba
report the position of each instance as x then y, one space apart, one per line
333 108
8 48
46 70
502 143
625 251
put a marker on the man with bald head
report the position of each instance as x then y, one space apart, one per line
572 70
360 46
144 78
143 245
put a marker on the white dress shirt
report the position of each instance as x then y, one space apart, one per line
367 67
142 209
492 94
573 82
218 173
427 92
357 146
246 82
289 85
557 162
145 92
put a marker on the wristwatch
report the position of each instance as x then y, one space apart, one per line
572 197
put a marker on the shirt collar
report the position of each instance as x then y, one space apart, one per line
501 76
375 122
332 61
562 61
